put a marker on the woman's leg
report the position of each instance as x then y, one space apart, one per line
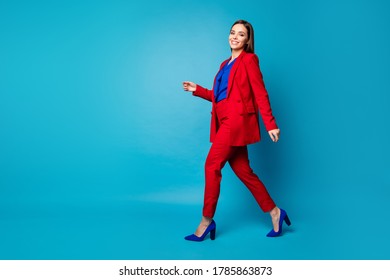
219 154
240 165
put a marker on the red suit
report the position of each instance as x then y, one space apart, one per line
235 124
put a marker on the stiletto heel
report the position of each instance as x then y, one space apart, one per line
283 217
212 234
212 228
287 220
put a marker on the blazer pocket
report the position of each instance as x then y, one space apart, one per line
249 109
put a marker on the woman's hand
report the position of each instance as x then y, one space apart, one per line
189 86
274 134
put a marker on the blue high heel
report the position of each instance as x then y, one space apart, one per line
283 217
210 229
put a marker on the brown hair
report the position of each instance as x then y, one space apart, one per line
250 45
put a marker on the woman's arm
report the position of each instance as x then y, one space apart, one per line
198 90
260 93
262 98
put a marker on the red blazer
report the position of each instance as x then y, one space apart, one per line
246 96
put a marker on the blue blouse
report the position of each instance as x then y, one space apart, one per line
221 82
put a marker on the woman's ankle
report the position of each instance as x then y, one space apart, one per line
275 212
206 220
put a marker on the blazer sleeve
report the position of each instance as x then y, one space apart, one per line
260 93
203 93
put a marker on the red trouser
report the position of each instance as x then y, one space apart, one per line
237 156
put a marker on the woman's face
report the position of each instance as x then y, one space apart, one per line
238 37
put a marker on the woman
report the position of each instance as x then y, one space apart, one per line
238 94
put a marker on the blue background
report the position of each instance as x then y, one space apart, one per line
102 153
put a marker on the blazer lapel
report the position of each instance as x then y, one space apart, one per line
233 72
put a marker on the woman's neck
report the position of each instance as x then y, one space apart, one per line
236 53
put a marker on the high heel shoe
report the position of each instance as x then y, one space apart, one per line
283 217
212 227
